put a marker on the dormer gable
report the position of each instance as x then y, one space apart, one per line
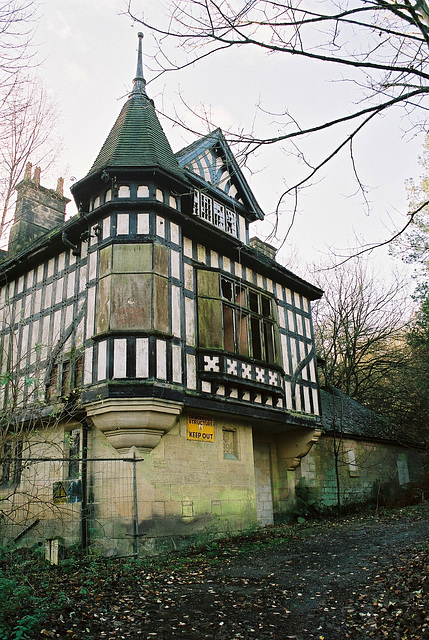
211 160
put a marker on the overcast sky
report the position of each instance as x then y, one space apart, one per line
89 53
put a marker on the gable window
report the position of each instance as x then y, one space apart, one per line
215 213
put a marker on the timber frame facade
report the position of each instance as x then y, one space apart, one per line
153 322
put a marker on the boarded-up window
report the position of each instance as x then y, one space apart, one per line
210 322
403 472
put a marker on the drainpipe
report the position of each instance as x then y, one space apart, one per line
84 540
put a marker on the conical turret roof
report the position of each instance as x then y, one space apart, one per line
137 138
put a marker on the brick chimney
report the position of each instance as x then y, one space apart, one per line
37 210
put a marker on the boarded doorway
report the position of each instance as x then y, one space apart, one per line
263 486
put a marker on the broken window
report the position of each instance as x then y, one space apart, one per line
248 322
215 213
72 446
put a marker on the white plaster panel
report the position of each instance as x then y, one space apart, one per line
120 358
316 408
294 354
188 270
160 227
59 285
46 322
190 321
161 360
90 310
25 347
30 278
281 312
299 326
82 280
238 269
187 247
242 228
106 227
69 315
79 332
38 301
288 296
175 311
191 373
260 281
92 266
102 360
39 275
312 369
122 224
27 307
285 353
174 233
20 285
298 398
201 253
307 405
143 223
307 327
291 321
142 358
175 264
87 366
71 279
61 262
214 259
177 363
50 271
35 345
226 264
249 275
56 327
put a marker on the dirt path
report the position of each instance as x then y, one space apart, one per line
353 579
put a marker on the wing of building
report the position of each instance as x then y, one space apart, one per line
153 328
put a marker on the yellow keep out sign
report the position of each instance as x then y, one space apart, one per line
200 428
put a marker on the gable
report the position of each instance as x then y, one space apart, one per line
211 160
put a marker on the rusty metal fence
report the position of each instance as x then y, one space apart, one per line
89 503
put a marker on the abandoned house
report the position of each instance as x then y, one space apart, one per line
157 364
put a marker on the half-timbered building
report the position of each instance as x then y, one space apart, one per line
152 327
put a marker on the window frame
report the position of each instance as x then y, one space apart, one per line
251 321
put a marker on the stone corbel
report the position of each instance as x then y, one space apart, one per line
296 445
140 423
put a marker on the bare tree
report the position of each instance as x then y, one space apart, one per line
382 46
360 325
362 328
27 133
17 24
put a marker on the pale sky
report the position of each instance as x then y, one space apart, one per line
89 53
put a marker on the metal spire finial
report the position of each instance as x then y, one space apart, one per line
139 81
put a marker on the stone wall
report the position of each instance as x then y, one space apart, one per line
362 468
